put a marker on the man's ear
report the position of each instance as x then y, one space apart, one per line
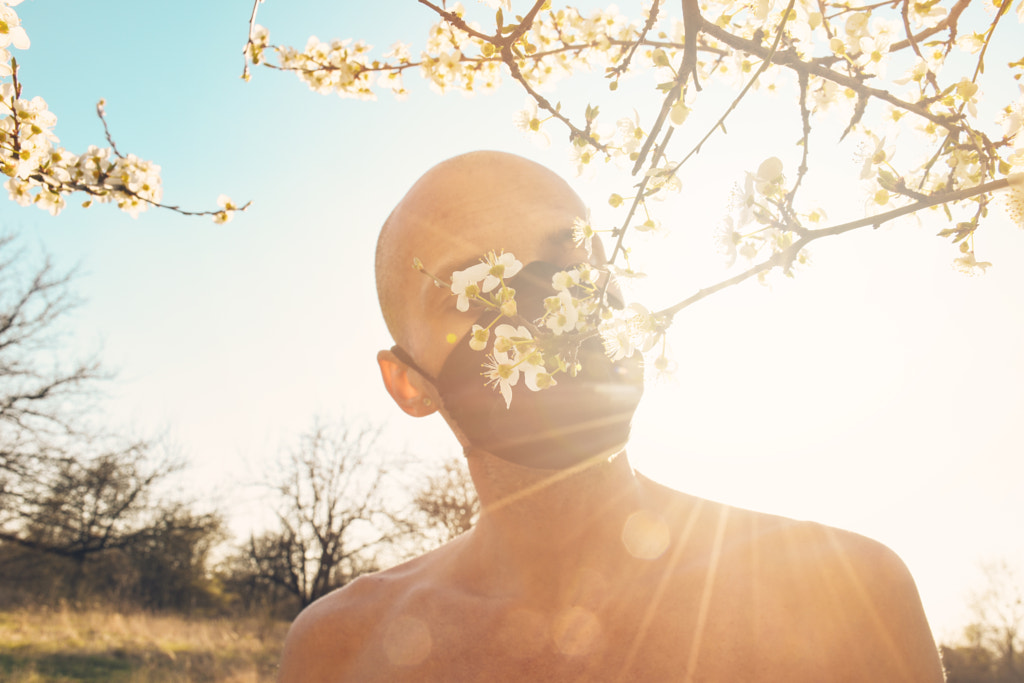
406 386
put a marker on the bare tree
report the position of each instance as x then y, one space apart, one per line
93 527
170 559
992 647
84 504
332 516
42 399
39 392
68 492
448 500
998 609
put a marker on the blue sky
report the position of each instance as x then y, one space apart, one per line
879 390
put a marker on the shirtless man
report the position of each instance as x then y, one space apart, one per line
579 568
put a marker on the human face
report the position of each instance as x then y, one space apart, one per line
580 417
451 218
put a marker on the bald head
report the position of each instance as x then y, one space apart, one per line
457 212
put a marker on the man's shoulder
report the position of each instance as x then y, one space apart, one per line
803 557
329 635
859 600
779 545
808 554
830 598
349 605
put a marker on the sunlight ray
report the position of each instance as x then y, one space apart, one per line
674 559
877 623
705 598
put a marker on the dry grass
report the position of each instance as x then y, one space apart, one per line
67 646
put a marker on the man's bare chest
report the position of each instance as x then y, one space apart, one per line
495 642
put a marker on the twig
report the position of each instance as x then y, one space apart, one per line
457 21
104 191
984 48
933 200
811 235
805 117
509 60
693 23
524 25
905 14
652 18
954 13
766 60
245 50
101 112
792 61
641 195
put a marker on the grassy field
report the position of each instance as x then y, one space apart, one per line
68 646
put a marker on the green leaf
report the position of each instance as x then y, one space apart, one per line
886 179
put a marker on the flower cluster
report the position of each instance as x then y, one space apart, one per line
1013 129
514 351
538 350
26 133
634 329
340 66
11 32
42 173
762 224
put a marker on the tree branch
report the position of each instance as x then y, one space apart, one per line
792 61
767 59
812 235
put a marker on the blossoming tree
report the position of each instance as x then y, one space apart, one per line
908 78
42 173
907 70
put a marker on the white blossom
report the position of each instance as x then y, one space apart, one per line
528 120
466 284
501 373
969 265
499 267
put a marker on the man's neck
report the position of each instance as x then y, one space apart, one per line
538 529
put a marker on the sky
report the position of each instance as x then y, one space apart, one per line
878 390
